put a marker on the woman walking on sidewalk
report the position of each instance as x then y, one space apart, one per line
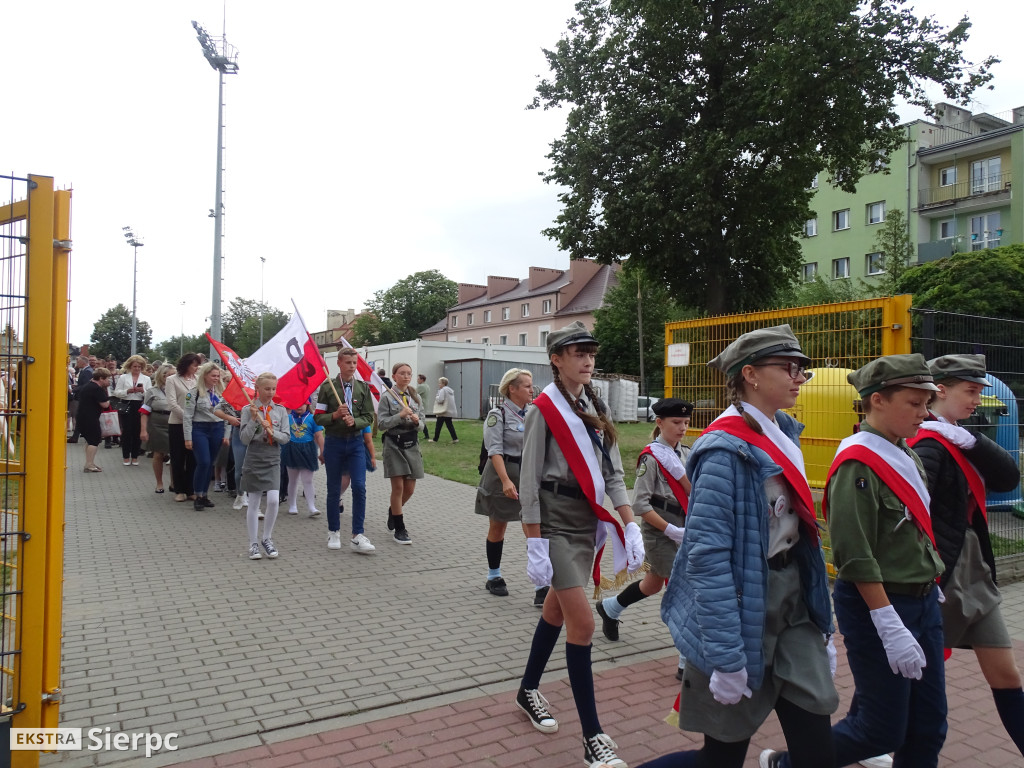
445 410
570 461
399 415
264 430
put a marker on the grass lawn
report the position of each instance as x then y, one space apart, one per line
459 462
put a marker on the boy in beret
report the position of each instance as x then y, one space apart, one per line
961 465
886 601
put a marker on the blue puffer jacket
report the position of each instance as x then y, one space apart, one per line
714 605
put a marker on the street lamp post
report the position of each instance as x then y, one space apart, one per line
223 61
135 242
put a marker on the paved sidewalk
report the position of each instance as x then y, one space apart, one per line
335 659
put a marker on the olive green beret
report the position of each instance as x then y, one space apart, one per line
892 371
967 367
777 341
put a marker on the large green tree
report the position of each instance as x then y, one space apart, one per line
173 348
112 334
616 324
240 325
407 308
694 129
989 283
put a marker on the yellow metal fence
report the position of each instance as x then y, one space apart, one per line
34 248
837 338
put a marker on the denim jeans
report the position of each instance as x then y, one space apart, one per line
890 713
206 441
238 452
345 456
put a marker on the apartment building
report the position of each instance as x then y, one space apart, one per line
953 180
511 311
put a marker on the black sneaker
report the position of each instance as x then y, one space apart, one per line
391 520
206 501
536 708
539 595
198 505
600 750
497 587
609 626
769 759
402 537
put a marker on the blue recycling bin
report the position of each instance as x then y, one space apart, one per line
1007 435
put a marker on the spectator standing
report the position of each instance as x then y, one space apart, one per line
153 414
203 429
85 372
183 463
130 388
423 391
93 399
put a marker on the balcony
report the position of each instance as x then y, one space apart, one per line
997 185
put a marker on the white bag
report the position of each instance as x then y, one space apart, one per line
110 425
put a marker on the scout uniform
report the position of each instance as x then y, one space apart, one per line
402 457
504 428
652 492
881 535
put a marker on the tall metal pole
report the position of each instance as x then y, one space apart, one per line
181 335
640 326
218 218
135 243
263 263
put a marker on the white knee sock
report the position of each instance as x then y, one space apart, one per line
273 504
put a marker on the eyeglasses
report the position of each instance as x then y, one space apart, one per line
793 369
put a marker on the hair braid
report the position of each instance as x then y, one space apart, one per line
734 394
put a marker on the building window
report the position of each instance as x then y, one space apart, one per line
947 177
985 175
947 229
469 341
455 321
524 309
814 182
840 268
841 219
986 231
811 227
875 263
453 337
880 163
546 307
810 271
503 340
469 319
506 313
876 212
485 340
522 339
543 340
487 315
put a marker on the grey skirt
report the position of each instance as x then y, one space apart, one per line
402 462
970 616
491 500
156 428
570 526
796 669
261 469
661 550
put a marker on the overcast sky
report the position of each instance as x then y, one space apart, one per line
364 142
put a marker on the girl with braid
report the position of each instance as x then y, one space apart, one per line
570 460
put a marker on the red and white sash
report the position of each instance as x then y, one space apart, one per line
673 482
974 479
896 469
779 448
576 445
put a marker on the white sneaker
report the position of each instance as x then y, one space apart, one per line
362 545
314 513
240 501
334 539
254 552
881 761
293 510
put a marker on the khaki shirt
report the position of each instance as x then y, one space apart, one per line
869 541
543 462
650 481
389 408
504 430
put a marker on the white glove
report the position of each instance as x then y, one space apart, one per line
538 563
729 687
957 435
903 651
634 547
942 596
830 649
675 533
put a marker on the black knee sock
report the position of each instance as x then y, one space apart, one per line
630 595
581 678
494 554
1010 706
544 639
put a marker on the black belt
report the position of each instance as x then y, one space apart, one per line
909 590
513 459
780 561
665 505
165 413
569 491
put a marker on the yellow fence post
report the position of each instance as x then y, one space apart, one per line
896 319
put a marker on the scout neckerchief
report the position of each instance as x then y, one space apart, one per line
571 435
974 479
895 468
265 412
779 448
671 468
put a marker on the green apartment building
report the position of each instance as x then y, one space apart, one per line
953 179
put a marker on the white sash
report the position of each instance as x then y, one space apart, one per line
895 458
773 433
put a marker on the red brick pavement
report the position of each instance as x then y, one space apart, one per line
632 701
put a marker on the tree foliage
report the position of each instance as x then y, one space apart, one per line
893 242
173 348
989 283
240 325
112 334
695 128
616 323
406 309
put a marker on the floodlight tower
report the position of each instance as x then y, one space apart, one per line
224 61
135 242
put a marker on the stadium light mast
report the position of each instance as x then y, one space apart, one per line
135 242
224 61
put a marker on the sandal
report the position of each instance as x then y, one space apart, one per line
159 490
93 468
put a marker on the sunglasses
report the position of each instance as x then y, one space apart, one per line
794 370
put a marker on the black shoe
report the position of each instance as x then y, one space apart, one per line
536 708
600 750
391 520
198 505
402 537
497 587
283 498
341 509
609 626
72 440
538 597
679 673
206 501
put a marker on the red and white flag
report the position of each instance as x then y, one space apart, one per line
291 355
365 373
